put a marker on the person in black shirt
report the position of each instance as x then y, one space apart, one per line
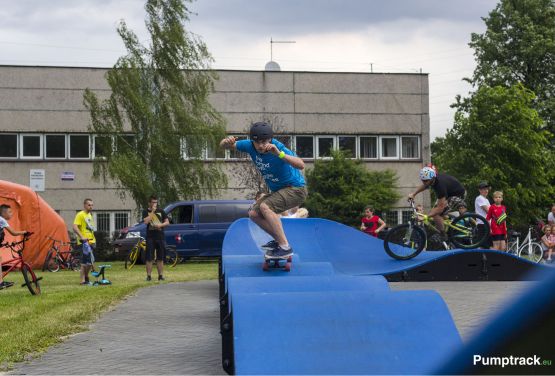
155 219
449 191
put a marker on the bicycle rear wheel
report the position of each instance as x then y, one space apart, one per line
131 258
404 242
51 263
465 232
31 279
172 257
75 263
533 252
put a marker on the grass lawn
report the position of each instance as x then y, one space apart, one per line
30 324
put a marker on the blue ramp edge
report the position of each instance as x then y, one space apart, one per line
341 332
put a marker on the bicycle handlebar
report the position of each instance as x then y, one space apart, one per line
11 245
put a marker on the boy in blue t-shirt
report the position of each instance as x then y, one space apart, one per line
281 169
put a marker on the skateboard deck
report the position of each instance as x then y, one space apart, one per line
277 263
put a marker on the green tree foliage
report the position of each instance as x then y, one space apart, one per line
519 47
340 188
498 137
159 94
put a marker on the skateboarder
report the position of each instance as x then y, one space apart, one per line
281 169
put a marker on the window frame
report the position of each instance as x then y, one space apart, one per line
381 157
93 146
356 143
317 144
46 146
41 148
313 146
377 140
417 147
69 147
17 146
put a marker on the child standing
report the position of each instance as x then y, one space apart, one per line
370 223
497 217
548 241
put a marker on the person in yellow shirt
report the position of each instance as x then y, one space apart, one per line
84 227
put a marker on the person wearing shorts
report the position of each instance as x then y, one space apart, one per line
449 192
84 227
155 219
281 170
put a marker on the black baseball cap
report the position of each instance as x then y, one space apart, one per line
484 184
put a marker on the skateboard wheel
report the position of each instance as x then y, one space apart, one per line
287 267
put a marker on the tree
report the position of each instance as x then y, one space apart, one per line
159 94
498 137
519 47
340 188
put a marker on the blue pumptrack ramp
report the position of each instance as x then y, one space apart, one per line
334 312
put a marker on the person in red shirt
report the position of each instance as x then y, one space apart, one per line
370 223
497 217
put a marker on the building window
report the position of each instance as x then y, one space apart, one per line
213 151
31 146
368 147
102 147
55 146
79 147
410 147
349 145
125 143
285 140
103 222
304 146
325 146
392 218
121 220
8 145
389 147
406 216
235 154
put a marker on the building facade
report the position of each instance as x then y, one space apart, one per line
382 119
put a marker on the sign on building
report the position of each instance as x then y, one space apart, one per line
36 180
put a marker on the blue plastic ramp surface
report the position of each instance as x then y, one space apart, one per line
332 314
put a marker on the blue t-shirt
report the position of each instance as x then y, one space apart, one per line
276 172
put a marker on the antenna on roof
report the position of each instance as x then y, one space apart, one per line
272 65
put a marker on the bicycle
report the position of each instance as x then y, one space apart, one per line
57 258
171 259
529 250
17 262
406 241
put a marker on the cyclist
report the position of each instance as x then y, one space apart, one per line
281 169
449 192
5 215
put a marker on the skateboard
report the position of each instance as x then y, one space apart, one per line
277 263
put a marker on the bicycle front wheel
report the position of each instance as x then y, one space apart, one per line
131 258
404 242
171 257
31 279
532 252
75 263
465 233
51 263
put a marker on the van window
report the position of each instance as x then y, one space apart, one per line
182 214
222 213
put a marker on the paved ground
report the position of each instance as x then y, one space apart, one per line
182 335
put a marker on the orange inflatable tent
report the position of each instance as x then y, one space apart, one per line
31 213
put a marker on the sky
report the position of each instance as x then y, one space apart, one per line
431 36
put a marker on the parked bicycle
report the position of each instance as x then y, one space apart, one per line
528 249
171 259
17 262
61 256
406 241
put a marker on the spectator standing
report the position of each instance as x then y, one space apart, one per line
371 224
551 216
497 215
84 227
481 207
155 219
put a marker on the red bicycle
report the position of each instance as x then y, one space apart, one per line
31 280
61 255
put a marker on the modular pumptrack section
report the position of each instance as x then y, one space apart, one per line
334 313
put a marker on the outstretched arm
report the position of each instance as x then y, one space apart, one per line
228 143
421 188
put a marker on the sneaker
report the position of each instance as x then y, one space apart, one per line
161 278
86 283
148 278
5 285
270 245
282 253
